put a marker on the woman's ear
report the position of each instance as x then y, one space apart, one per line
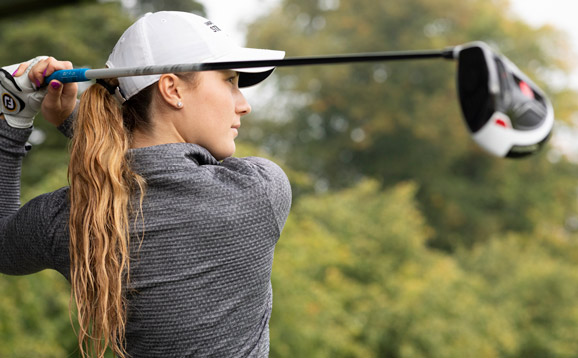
171 89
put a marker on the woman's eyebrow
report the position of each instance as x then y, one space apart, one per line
229 72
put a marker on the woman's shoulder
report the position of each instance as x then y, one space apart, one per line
257 167
272 177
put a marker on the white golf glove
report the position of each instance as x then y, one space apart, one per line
21 100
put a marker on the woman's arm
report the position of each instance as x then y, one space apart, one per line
27 233
12 151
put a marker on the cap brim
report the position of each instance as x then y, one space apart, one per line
248 79
252 76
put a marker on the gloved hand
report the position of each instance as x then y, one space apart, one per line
20 99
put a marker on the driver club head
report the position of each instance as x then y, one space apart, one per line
507 114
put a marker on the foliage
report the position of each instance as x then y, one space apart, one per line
144 6
353 277
64 33
34 318
69 33
382 169
532 284
401 121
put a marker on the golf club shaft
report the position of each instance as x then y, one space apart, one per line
83 74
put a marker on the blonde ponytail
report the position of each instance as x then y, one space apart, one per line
102 186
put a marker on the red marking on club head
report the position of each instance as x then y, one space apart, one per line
501 123
526 90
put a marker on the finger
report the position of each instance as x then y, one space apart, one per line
54 93
52 105
21 69
47 67
69 93
55 65
60 96
59 102
36 74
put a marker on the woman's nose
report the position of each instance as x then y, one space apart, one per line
243 107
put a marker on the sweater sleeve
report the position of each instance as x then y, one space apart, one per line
66 126
26 233
272 179
277 187
12 151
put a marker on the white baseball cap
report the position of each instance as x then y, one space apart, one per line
172 37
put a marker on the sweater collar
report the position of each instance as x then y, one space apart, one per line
170 154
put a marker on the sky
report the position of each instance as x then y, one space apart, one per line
560 13
232 15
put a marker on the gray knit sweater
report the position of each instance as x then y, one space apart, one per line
200 281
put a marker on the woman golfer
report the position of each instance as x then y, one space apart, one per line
166 239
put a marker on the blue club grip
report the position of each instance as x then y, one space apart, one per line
67 76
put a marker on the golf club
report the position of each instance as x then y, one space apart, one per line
506 113
85 74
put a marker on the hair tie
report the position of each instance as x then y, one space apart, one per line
110 88
113 90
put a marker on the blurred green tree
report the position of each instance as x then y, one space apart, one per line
531 281
11 8
144 6
69 33
65 33
401 121
34 318
354 277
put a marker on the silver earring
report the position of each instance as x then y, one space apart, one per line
179 104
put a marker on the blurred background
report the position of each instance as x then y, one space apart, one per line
405 239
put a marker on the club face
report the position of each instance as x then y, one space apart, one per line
507 114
